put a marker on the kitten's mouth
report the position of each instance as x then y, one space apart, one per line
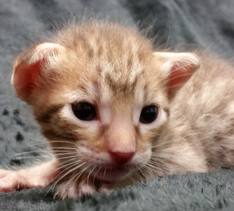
111 174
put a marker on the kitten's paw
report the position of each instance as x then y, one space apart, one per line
14 180
10 180
65 190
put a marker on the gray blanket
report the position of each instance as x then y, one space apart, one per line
174 24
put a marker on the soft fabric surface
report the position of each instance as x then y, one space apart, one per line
174 24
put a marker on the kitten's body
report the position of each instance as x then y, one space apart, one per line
201 120
115 70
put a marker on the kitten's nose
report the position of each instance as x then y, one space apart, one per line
121 157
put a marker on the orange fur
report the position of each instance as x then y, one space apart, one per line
116 71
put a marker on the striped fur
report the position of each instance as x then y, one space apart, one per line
115 69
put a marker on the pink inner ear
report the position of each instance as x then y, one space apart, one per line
178 77
25 78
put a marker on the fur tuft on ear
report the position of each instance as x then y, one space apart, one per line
177 69
28 67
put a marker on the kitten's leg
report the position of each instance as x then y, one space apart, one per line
38 176
44 175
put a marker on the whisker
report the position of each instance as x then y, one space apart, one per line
136 176
26 157
71 170
90 173
69 152
60 178
85 169
142 172
66 166
67 163
32 151
79 174
100 167
65 153
157 167
62 141
63 148
159 144
104 172
73 165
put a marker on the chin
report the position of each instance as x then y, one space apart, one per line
112 174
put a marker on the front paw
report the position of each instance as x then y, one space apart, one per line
11 180
66 190
17 180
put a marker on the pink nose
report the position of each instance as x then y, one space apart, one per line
121 157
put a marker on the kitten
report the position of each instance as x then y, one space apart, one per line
115 112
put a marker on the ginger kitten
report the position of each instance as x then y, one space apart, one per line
113 110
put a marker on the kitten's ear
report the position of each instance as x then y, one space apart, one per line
177 68
29 67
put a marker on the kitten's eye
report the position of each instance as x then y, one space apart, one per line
84 111
148 114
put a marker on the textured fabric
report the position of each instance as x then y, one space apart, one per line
174 24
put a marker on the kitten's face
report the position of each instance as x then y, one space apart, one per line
101 97
102 113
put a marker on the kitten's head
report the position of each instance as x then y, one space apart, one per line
101 96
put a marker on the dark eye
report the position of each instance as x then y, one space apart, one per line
148 114
84 111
